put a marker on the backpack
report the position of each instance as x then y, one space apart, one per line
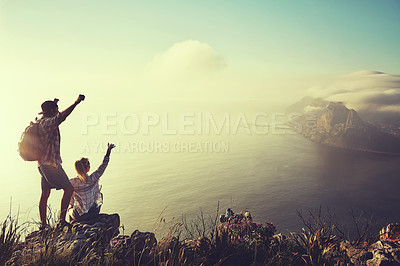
30 147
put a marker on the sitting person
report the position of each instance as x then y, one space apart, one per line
86 199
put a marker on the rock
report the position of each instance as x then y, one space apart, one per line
379 258
136 249
384 252
68 243
141 241
248 216
230 215
354 253
121 241
396 255
98 243
391 232
377 245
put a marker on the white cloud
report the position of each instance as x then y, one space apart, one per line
188 60
186 70
310 108
362 91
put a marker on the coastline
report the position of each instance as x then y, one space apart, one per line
341 147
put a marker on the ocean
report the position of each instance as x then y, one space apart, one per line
273 174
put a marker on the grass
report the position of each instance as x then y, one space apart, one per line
9 238
201 241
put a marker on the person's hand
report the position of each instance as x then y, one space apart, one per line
81 97
110 146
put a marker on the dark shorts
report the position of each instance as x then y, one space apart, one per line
53 177
91 214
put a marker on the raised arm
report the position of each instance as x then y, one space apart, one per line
67 112
110 146
99 172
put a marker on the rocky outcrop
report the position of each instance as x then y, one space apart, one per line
95 242
72 242
235 240
98 243
385 251
337 126
136 249
390 233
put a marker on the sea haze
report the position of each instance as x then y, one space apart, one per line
272 175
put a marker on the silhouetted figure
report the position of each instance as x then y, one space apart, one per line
53 175
87 199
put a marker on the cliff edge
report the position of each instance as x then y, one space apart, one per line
235 240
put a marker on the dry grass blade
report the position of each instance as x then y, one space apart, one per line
9 237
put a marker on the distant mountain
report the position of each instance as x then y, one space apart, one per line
373 94
336 125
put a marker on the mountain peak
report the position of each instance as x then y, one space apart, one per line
338 126
336 105
353 119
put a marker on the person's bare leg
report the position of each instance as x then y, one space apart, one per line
43 206
65 201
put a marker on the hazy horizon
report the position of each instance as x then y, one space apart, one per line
174 57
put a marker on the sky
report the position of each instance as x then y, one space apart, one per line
191 49
126 55
156 56
144 53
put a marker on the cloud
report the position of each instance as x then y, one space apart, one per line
310 108
388 97
185 61
186 70
363 91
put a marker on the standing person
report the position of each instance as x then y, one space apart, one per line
87 198
53 175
